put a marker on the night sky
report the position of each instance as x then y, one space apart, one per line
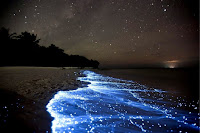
117 33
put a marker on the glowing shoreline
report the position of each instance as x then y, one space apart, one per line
109 105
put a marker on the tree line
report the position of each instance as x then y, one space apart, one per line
24 50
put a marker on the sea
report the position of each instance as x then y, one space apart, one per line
129 101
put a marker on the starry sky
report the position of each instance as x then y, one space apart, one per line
117 33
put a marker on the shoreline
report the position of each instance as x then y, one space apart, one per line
184 81
25 92
36 86
108 100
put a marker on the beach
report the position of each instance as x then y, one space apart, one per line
110 104
31 96
25 92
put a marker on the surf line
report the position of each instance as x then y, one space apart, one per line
104 105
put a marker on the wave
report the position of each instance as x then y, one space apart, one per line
114 105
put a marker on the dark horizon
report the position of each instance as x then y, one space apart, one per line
116 33
193 63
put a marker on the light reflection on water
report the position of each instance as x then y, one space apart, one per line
114 105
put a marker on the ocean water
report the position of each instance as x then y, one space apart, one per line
183 82
121 106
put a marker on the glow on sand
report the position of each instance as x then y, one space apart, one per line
114 105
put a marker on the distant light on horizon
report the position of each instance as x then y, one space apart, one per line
171 66
86 28
172 63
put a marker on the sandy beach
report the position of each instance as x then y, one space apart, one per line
25 92
110 104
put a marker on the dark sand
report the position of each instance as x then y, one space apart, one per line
25 92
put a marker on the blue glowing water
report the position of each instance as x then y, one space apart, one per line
114 105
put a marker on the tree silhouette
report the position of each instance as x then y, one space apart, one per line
24 50
29 38
4 34
6 41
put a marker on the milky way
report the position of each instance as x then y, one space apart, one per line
115 105
114 32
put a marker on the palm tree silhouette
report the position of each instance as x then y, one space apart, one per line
28 38
25 50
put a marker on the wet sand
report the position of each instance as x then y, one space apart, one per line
115 105
25 92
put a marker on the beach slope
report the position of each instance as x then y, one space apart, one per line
25 92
